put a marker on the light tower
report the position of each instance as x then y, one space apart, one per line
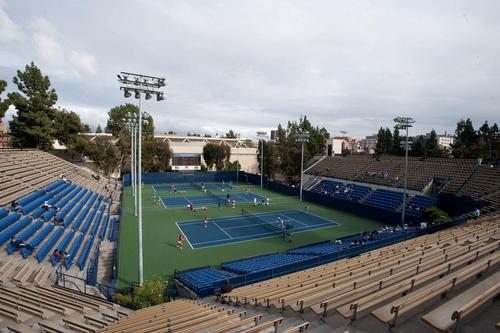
141 84
262 135
302 137
404 123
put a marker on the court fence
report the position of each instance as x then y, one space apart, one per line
266 274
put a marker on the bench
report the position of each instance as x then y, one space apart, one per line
212 323
251 320
20 329
269 324
50 327
448 315
389 313
79 326
352 308
298 329
14 314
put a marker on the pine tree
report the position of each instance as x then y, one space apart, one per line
31 127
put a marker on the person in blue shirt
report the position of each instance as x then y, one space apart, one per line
289 229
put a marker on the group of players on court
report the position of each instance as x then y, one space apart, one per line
286 228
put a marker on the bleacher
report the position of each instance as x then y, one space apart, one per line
342 191
418 204
203 280
447 276
385 199
260 263
389 170
26 171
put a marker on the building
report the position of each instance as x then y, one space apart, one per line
445 141
369 143
4 137
274 135
187 151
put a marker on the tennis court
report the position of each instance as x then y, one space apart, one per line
193 187
211 198
242 228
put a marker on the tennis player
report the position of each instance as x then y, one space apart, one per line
205 220
180 241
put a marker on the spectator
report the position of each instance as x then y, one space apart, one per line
476 213
227 287
15 206
20 244
46 205
56 254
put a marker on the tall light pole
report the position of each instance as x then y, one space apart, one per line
262 135
131 121
302 137
237 157
404 123
148 85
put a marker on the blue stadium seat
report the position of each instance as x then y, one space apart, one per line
97 222
30 197
8 220
85 253
13 229
40 256
260 263
203 281
418 204
70 259
385 199
3 212
35 204
54 185
38 239
112 230
89 220
27 233
342 191
102 234
62 245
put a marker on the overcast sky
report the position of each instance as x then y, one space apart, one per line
248 65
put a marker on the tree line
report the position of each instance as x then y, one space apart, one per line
282 158
38 122
468 142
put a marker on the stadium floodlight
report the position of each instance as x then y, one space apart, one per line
131 121
159 97
148 96
302 137
127 93
140 84
404 123
262 135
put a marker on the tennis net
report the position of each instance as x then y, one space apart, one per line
275 229
213 195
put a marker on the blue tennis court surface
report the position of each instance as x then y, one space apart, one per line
192 187
237 229
206 200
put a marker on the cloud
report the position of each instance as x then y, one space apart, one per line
9 31
350 66
83 62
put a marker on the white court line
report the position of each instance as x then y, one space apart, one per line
228 235
185 237
318 216
270 234
154 189
163 202
295 220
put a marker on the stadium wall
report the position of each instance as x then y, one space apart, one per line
179 177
